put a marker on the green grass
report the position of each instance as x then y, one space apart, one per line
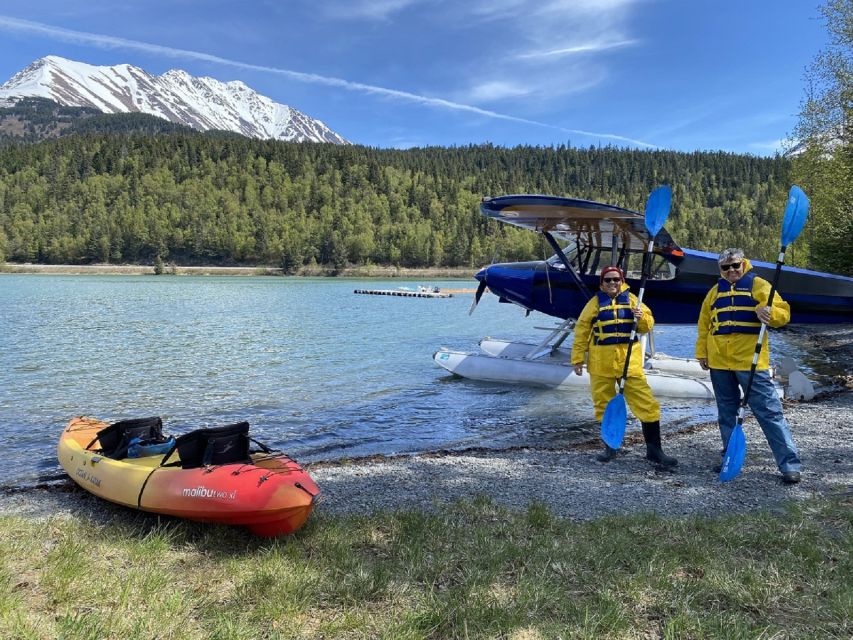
475 571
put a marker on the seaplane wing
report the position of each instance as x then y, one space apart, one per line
591 224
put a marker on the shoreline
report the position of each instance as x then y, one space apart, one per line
573 485
365 271
568 481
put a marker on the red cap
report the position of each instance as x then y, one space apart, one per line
609 269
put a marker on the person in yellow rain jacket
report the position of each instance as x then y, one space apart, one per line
603 331
729 324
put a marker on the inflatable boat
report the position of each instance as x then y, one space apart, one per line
207 475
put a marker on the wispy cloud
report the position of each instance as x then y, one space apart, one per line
539 10
540 42
10 24
538 88
368 9
498 90
772 146
588 47
527 70
686 118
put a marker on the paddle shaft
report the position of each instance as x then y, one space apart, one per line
760 342
639 306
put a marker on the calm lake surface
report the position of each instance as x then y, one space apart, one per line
317 370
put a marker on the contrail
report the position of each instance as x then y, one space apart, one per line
591 47
81 37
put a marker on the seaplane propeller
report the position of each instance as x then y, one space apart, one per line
480 289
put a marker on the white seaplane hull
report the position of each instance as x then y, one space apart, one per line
659 362
558 375
511 363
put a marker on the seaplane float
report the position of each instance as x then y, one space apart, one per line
595 235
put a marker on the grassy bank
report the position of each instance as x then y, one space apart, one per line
476 571
363 271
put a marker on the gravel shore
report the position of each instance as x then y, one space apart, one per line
574 485
569 481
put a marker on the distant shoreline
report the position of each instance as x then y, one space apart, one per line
369 271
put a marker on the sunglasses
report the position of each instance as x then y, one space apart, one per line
613 280
733 265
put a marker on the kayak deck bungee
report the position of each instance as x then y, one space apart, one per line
207 475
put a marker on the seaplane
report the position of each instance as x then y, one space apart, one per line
586 236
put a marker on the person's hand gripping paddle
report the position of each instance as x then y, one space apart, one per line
616 413
793 222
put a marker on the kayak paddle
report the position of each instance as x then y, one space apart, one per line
793 222
615 413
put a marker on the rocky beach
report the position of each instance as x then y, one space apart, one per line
570 482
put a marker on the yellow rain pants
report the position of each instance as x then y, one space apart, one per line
638 396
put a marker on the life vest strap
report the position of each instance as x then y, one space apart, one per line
613 338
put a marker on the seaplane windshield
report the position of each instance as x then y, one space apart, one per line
590 260
570 251
632 264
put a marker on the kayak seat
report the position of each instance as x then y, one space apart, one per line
213 446
115 439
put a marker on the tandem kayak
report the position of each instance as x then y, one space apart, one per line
207 475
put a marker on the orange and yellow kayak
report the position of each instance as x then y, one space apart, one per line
270 493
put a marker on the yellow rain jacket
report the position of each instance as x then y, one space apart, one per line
728 326
598 325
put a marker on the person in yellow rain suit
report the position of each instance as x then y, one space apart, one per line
603 330
729 324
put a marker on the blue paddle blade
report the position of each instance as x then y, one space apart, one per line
613 422
657 209
796 212
735 455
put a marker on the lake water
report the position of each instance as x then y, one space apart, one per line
317 370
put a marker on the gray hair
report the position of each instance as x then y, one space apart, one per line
731 253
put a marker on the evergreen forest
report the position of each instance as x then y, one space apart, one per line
193 198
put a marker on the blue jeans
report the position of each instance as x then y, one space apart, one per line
766 407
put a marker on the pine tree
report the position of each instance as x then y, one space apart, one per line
824 132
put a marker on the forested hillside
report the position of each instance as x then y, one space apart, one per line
207 199
34 119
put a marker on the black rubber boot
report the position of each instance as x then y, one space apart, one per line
654 451
607 455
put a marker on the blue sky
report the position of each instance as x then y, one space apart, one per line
670 74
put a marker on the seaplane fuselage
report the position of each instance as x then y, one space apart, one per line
599 235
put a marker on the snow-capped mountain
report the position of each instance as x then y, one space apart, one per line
828 143
201 103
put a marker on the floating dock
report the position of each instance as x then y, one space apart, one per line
404 293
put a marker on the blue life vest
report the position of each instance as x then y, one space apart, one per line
733 309
614 321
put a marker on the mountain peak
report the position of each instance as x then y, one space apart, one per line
199 102
52 59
